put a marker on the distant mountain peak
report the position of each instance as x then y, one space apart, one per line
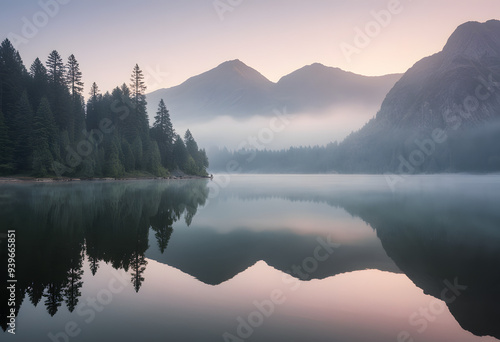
317 71
237 67
475 40
316 66
233 62
234 89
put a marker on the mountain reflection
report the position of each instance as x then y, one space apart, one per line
448 241
435 232
59 225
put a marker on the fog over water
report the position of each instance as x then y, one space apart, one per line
302 129
189 260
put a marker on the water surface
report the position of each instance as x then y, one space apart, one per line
256 258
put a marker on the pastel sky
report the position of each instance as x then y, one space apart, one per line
172 40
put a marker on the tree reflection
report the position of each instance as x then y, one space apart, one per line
59 227
74 281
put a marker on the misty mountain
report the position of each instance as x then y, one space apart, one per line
318 87
234 89
442 115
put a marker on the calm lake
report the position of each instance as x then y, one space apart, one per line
255 258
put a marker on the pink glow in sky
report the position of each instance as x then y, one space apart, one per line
176 39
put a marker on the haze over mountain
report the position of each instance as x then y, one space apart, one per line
236 90
443 114
232 88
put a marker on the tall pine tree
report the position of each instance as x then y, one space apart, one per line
74 77
93 114
75 84
59 97
163 133
139 113
55 68
39 83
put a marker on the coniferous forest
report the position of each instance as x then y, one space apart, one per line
47 129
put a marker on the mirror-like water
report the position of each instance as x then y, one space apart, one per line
255 258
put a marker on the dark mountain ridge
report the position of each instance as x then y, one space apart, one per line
455 92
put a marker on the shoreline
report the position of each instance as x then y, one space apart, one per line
27 179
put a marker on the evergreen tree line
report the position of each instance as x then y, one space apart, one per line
47 129
472 149
303 159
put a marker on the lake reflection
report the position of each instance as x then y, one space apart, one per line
343 257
